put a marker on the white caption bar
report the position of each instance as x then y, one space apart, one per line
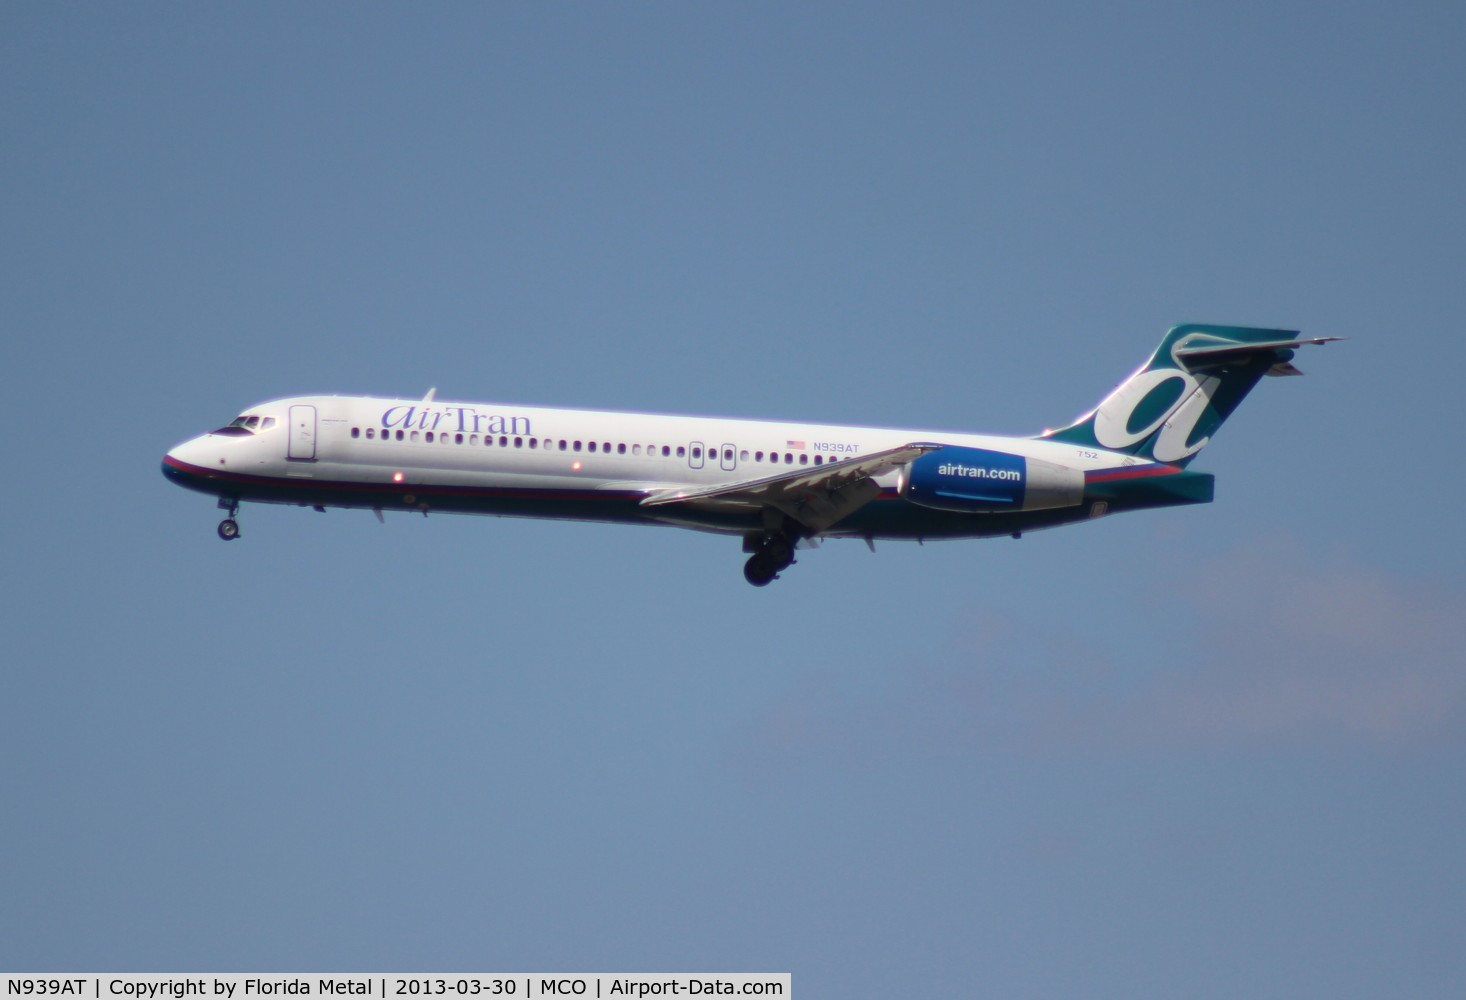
393 986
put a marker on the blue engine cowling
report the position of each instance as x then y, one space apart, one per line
978 481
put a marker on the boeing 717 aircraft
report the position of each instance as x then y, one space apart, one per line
775 485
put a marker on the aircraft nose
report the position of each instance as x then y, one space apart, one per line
194 451
173 467
175 470
185 464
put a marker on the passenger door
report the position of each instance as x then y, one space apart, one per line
302 433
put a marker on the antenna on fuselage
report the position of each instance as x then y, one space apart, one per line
431 393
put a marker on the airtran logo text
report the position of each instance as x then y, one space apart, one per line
1165 400
463 419
978 472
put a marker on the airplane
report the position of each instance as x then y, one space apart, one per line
777 485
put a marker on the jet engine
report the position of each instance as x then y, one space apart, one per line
978 481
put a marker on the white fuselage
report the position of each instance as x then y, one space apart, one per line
502 459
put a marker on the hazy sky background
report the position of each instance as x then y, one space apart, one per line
1216 752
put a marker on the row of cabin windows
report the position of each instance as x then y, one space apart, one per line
602 447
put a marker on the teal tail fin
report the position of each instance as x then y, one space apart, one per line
1169 409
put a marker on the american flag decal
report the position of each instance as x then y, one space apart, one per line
794 444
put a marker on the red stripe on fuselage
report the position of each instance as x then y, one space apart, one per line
1132 472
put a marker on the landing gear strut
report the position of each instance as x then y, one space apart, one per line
229 528
772 553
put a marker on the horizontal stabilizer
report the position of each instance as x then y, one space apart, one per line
1283 368
1202 357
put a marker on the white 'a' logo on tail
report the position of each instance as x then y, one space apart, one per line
1188 399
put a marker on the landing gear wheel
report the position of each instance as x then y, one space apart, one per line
759 571
773 554
229 529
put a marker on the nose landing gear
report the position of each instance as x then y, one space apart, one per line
229 528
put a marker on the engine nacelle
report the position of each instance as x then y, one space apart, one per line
978 481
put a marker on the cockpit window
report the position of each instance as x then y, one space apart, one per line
236 428
246 423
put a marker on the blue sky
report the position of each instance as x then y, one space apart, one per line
1210 752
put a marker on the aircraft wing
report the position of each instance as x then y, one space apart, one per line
816 497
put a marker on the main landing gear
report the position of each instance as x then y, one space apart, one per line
773 552
229 528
